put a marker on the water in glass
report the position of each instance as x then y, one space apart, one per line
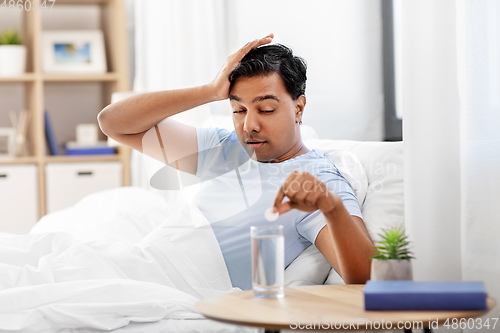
268 269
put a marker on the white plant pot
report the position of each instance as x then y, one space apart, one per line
391 269
12 60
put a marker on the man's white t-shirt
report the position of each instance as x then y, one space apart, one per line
236 191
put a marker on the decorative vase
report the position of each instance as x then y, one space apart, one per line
392 269
12 60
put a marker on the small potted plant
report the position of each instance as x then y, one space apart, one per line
392 260
12 54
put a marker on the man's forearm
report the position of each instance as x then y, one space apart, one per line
139 113
352 245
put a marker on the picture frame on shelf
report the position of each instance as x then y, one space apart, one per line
7 143
73 51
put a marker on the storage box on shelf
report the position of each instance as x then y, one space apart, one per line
18 197
37 85
67 183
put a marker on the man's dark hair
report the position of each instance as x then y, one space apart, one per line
275 58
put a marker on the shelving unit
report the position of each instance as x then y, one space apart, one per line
35 82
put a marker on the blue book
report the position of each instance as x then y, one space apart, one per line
91 151
49 135
425 295
100 148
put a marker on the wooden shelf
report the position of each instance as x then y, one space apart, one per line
27 77
82 158
53 77
110 77
19 160
59 159
81 2
38 86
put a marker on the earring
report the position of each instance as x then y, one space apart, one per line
300 114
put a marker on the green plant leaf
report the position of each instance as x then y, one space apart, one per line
393 245
10 37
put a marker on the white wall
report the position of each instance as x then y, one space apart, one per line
341 40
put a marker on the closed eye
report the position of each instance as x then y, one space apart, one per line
263 111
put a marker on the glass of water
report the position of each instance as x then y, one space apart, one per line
268 260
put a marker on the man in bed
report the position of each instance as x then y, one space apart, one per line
265 85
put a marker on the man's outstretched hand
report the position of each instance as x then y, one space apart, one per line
306 193
220 85
344 242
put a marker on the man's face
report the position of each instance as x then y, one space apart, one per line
266 117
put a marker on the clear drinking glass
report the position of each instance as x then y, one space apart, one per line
268 260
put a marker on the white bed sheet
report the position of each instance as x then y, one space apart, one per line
84 279
176 326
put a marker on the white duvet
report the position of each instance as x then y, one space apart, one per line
116 257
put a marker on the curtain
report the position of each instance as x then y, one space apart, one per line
451 133
178 44
479 86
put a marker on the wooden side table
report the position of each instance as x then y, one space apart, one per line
336 306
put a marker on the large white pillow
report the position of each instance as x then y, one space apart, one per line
310 267
351 168
382 162
125 214
383 205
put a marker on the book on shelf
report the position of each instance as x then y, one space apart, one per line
49 135
99 148
425 295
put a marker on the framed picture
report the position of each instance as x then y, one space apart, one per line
73 51
7 144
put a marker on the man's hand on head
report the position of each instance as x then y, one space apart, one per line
220 85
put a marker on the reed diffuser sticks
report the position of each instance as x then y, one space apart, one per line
20 124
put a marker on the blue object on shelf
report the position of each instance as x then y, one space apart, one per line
49 135
91 151
425 295
98 148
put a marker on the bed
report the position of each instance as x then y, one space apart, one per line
127 216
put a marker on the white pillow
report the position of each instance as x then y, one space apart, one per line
348 164
383 164
351 168
311 267
125 214
383 205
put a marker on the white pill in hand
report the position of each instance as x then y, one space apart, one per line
270 216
